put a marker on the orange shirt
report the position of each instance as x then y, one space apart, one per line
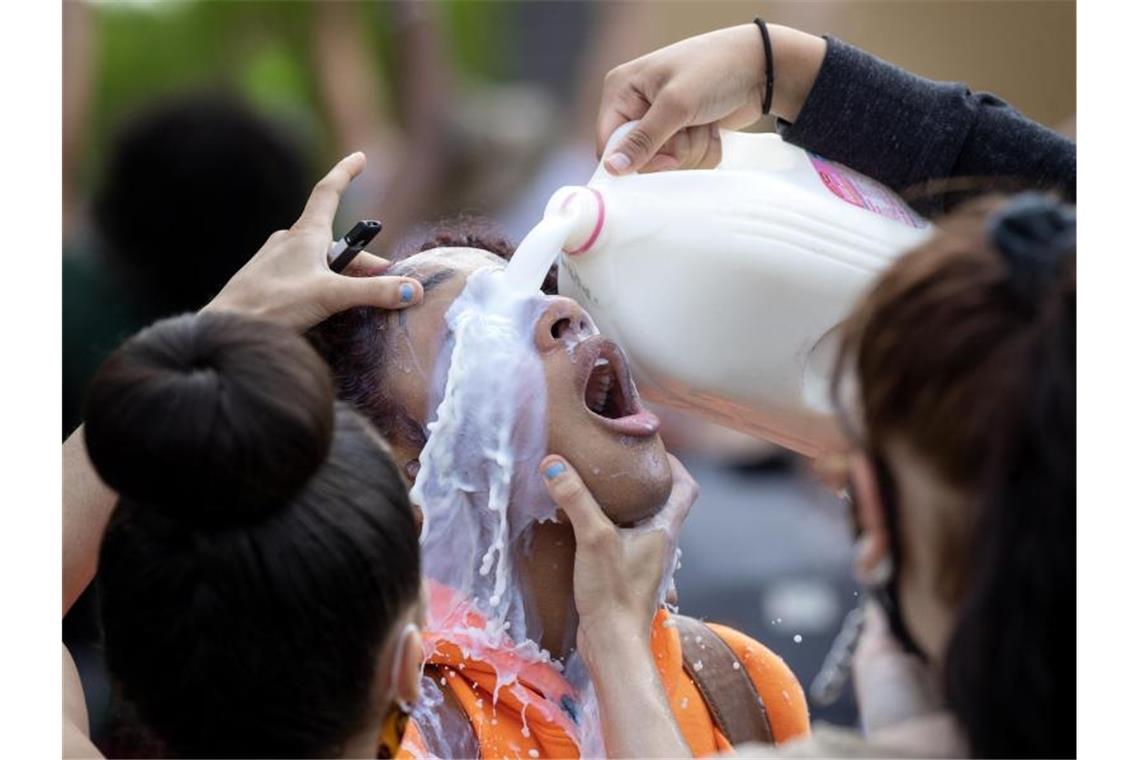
532 716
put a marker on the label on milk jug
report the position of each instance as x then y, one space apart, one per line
864 192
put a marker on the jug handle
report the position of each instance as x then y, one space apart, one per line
601 174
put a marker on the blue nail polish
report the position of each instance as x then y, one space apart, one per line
406 292
554 470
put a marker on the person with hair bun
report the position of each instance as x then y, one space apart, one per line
258 555
259 578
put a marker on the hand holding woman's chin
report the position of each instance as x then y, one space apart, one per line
631 483
618 572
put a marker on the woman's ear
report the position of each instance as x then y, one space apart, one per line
408 672
872 551
410 667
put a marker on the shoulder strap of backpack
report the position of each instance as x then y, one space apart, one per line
724 684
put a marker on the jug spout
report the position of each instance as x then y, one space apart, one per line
586 207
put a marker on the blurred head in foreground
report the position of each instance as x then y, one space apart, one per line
958 380
192 188
260 576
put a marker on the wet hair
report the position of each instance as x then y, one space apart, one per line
354 341
263 546
193 186
967 354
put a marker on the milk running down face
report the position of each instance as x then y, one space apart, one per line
500 375
582 398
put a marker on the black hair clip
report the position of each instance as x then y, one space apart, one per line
1033 232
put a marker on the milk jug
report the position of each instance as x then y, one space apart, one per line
727 287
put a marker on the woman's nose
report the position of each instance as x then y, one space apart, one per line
562 323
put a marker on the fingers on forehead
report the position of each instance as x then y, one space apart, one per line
366 264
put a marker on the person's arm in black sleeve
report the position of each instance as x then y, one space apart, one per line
905 130
834 100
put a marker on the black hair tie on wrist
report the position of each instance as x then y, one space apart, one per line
769 76
1033 233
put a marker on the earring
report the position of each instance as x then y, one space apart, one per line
393 729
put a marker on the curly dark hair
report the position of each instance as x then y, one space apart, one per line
354 341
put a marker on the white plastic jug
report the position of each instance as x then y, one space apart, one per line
725 287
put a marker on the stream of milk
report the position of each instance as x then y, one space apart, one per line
536 253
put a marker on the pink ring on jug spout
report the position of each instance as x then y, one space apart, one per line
601 220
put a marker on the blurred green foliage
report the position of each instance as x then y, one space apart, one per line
145 51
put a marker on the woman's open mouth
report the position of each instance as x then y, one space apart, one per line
608 392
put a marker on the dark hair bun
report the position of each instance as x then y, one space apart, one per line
213 418
1036 234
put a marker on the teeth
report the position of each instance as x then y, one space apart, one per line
600 384
600 392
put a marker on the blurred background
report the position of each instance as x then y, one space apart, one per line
194 129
